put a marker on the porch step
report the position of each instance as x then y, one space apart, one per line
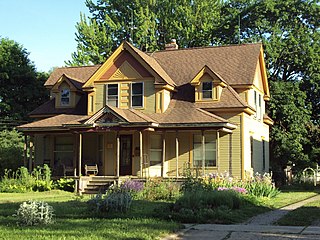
97 185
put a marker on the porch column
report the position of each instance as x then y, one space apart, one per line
177 155
25 151
203 152
30 153
141 153
163 152
80 154
230 154
118 154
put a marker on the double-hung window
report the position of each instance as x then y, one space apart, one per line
112 91
210 150
137 95
65 97
155 149
207 90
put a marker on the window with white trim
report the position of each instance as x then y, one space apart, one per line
112 93
210 150
65 97
137 95
155 149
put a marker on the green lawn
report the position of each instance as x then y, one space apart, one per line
73 221
303 216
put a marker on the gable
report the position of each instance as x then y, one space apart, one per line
124 67
260 80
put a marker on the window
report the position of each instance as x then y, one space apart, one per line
137 94
65 97
112 95
91 103
155 149
207 90
63 151
210 156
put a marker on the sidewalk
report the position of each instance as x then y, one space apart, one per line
258 227
254 232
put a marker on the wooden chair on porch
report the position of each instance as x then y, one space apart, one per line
91 169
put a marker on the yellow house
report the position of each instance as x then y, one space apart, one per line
156 114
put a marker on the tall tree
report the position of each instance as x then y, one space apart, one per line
21 87
148 24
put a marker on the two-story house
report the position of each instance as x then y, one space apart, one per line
157 114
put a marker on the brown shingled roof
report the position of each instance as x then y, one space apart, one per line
236 63
54 122
80 74
48 108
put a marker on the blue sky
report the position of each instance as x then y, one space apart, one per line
46 28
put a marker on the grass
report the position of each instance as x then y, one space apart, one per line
73 221
303 216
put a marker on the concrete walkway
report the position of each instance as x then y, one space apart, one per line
258 227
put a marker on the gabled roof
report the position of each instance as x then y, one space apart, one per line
56 122
212 74
49 109
161 77
236 64
81 74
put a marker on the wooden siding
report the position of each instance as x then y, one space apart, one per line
150 99
100 96
224 152
110 153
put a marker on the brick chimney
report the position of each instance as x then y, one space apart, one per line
172 45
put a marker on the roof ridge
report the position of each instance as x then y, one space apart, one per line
236 95
211 114
141 115
204 47
94 65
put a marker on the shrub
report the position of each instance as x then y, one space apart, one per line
205 206
66 184
259 185
159 189
115 200
34 213
135 188
22 181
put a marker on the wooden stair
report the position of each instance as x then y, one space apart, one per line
98 185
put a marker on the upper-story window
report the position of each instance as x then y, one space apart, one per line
207 90
137 95
65 97
112 91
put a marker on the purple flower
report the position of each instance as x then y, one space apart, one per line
132 185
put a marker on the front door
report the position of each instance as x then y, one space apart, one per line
125 155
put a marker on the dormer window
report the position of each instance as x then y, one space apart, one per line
65 97
207 90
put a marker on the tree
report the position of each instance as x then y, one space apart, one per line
289 135
148 24
11 150
21 87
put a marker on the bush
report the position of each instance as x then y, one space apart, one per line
115 200
205 206
258 186
11 150
34 213
65 184
135 188
22 181
159 189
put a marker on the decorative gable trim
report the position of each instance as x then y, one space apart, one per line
143 60
106 115
125 71
264 75
66 79
206 70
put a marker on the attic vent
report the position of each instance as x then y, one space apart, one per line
172 45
